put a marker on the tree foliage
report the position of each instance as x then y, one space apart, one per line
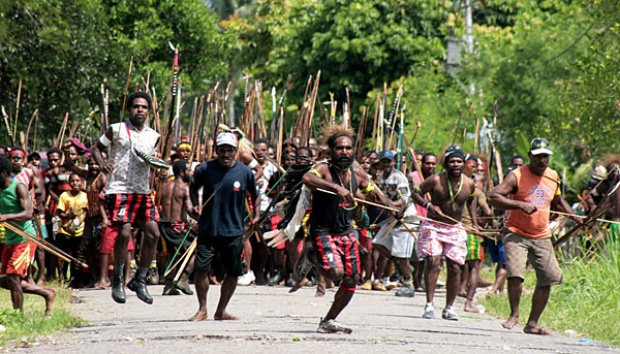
62 51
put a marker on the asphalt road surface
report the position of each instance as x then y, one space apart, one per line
274 321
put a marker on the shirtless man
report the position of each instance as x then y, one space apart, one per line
175 206
442 234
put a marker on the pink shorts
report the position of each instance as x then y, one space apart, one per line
108 238
442 240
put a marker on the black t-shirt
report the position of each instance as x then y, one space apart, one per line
223 215
328 214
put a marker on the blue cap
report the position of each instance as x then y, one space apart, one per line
387 154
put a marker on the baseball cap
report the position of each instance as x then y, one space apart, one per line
226 139
387 154
540 146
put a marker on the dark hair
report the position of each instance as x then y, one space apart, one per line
178 167
517 156
139 94
5 165
310 152
261 141
331 142
75 174
34 155
427 155
54 151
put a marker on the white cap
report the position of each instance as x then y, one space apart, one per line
226 139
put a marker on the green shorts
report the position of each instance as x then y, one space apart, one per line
474 247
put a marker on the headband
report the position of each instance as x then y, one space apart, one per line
184 145
17 152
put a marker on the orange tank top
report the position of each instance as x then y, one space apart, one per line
540 191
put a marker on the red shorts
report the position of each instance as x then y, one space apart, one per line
366 239
131 207
339 251
108 238
17 258
275 219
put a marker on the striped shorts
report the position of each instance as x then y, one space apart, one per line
338 251
129 208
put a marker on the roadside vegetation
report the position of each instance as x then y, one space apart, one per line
24 328
587 302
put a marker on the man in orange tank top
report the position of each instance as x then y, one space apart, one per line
535 191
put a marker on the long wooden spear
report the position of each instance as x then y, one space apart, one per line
175 72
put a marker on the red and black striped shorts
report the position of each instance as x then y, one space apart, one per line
338 251
129 208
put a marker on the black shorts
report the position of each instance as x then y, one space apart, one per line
229 250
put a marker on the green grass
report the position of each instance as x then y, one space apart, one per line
22 328
588 302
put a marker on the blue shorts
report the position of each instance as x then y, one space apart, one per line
496 250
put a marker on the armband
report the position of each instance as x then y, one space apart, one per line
369 188
428 205
316 173
105 141
253 164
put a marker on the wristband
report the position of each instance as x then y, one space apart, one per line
427 205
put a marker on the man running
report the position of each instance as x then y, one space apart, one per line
442 234
535 191
334 184
16 210
128 197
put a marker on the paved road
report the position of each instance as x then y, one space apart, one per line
274 321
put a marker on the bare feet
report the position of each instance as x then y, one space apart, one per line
511 322
469 308
299 284
536 330
199 316
319 292
102 285
49 300
462 293
225 317
41 282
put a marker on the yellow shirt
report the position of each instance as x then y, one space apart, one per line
77 204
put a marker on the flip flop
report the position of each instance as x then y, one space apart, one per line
536 330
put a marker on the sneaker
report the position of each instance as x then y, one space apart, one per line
406 291
304 264
389 285
429 311
449 314
152 277
332 326
246 279
183 285
170 289
367 285
378 285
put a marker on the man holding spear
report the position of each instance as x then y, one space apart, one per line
442 234
334 185
535 191
18 251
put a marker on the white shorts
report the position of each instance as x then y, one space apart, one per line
398 241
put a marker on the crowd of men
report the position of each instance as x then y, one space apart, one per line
327 216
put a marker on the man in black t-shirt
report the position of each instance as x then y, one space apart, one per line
225 182
334 184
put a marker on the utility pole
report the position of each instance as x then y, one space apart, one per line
469 40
